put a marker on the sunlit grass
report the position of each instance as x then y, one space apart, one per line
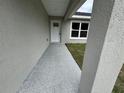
77 51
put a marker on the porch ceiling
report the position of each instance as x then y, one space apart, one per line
56 7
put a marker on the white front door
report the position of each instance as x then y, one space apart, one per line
55 31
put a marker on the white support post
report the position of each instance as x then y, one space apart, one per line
73 7
104 54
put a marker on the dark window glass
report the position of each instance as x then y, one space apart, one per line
55 24
74 33
75 25
84 26
83 34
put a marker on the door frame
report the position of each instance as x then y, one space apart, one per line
51 25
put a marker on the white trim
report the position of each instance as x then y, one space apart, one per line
77 38
85 17
79 29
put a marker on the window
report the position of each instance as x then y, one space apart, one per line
74 33
76 26
55 24
79 30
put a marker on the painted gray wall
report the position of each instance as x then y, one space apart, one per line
105 45
65 33
24 30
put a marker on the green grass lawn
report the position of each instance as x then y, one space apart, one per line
119 85
77 51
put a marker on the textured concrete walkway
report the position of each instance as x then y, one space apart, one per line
56 72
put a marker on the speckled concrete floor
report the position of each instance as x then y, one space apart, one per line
56 72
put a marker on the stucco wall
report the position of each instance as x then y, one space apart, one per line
24 36
95 44
112 56
65 33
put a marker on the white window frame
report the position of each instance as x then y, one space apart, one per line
79 29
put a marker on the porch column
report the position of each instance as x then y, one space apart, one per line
72 8
104 54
